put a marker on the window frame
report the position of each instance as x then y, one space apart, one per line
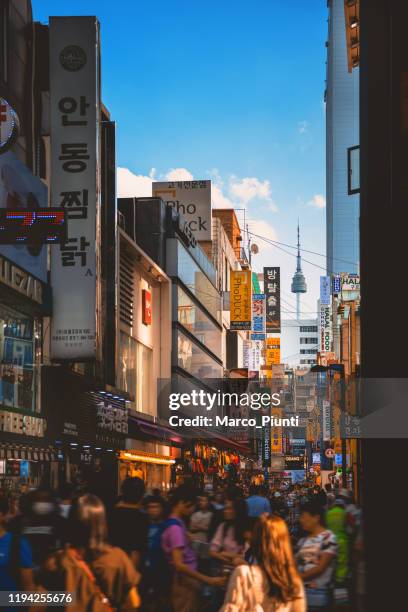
350 170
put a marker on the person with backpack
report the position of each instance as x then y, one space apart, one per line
16 559
102 577
185 578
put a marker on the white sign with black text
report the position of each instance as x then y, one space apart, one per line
75 112
192 199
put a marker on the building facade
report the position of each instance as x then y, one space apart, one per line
299 342
342 140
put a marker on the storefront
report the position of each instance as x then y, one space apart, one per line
88 425
154 468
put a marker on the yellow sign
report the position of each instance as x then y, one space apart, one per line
241 300
272 352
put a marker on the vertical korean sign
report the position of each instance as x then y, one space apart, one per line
241 305
75 108
325 290
272 297
258 316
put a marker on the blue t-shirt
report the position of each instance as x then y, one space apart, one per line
257 505
7 581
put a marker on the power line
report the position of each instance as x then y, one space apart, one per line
304 250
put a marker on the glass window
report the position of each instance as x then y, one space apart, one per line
144 379
127 365
198 283
17 380
309 340
194 360
136 372
193 318
353 165
308 328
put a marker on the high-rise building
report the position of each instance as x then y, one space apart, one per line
342 136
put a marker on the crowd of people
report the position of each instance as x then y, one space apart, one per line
286 549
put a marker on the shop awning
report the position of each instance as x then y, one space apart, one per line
160 432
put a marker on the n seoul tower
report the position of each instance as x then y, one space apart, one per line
298 281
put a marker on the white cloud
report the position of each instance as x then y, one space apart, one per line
303 127
249 188
134 185
317 201
179 174
235 193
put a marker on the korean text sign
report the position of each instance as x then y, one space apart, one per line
192 199
272 296
75 109
240 300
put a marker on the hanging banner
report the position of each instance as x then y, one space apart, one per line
192 199
325 328
326 421
240 300
255 357
75 117
325 293
272 297
258 317
266 445
336 284
245 354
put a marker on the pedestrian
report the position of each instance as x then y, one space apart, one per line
129 526
66 496
316 555
336 521
257 502
16 560
40 523
102 577
271 583
228 542
155 592
186 579
199 526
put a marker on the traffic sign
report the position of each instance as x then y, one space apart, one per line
329 452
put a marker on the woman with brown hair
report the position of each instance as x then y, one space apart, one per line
271 583
102 577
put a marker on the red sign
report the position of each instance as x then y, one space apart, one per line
146 307
329 452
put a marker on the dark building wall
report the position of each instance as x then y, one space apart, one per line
383 222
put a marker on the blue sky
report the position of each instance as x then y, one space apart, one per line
231 91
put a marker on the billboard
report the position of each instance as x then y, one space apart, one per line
325 328
272 297
258 316
192 199
19 189
325 293
75 115
350 282
240 300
